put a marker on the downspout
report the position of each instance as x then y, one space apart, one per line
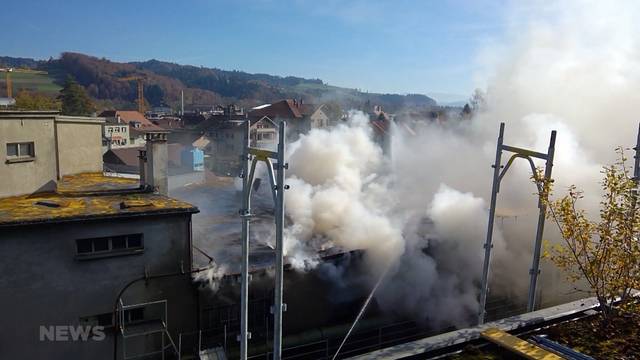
55 141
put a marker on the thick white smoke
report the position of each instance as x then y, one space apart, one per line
339 197
345 193
572 67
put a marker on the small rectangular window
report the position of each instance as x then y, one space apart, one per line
106 319
12 149
26 149
134 315
84 246
18 151
134 241
119 242
109 246
101 244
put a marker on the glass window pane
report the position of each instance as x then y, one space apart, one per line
12 149
101 244
84 246
136 314
26 149
135 241
118 242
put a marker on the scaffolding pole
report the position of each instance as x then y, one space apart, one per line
542 205
280 187
245 213
492 211
498 173
250 157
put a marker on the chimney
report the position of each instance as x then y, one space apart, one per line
181 102
142 164
155 172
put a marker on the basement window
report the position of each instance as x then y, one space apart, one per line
131 316
95 248
20 152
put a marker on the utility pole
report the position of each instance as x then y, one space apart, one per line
254 155
498 174
181 102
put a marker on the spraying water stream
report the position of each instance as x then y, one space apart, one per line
364 307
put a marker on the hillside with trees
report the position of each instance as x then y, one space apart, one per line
202 86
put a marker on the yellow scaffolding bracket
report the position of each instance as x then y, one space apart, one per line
517 345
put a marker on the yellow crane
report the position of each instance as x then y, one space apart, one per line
139 79
8 72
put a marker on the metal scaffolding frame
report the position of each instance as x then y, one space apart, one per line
158 326
498 173
250 158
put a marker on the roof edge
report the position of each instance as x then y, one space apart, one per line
190 210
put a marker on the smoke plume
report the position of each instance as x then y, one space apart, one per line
422 210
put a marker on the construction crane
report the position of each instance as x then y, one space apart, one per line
8 72
139 79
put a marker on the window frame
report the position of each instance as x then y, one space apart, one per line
19 157
110 251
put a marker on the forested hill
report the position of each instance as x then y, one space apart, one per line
202 86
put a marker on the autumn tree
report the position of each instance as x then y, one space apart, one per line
34 101
605 252
75 100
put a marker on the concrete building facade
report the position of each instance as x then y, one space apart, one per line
66 265
39 148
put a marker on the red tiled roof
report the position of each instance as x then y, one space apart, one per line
285 109
128 117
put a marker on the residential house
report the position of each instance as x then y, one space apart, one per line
222 155
138 124
115 136
301 117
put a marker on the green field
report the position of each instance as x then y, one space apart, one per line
30 82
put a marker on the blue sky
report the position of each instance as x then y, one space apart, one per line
396 46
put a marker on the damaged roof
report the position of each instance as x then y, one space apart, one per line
88 196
